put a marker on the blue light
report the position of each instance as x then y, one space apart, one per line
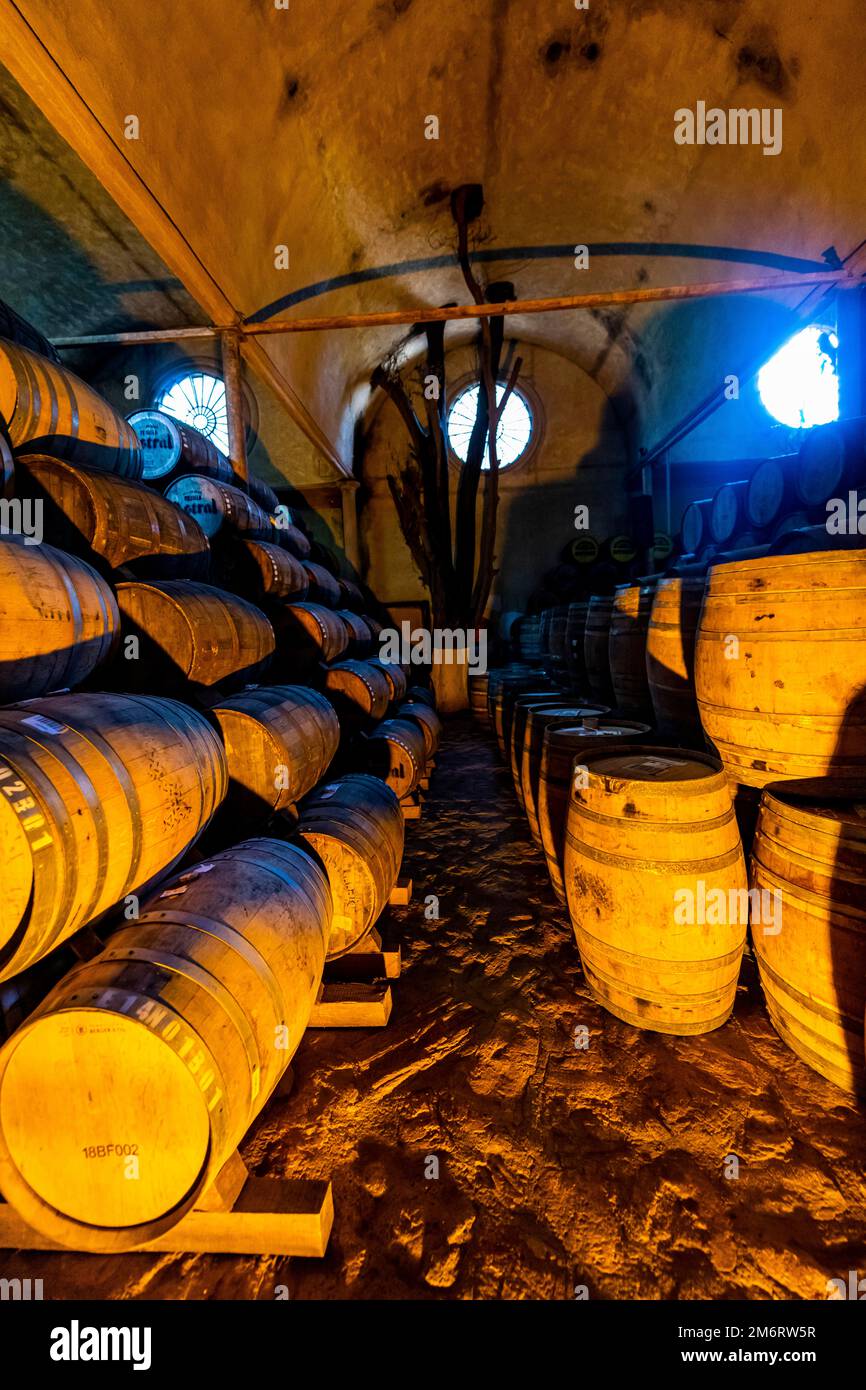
799 385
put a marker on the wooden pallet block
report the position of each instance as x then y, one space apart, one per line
411 806
352 1005
401 893
238 1215
367 960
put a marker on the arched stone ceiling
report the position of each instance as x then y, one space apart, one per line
305 127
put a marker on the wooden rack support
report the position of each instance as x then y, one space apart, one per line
238 1215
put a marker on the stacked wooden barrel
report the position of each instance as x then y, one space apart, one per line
151 1060
119 526
48 409
200 996
188 632
59 620
279 742
102 793
355 826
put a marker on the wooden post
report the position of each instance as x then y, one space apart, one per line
231 355
348 489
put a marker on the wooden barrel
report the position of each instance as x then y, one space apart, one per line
358 690
524 706
780 667
221 509
695 524
190 632
351 596
562 744
670 656
102 792
355 826
324 588
787 524
291 538
394 752
656 886
728 511
428 722
264 494
770 493
260 570
809 865
150 1061
113 523
529 637
544 628
360 636
627 643
498 683
7 465
541 717
832 459
422 693
58 620
170 449
306 634
595 647
279 741
478 699
49 410
507 700
557 641
395 675
374 625
575 635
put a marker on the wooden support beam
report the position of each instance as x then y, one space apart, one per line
348 501
266 369
231 360
425 314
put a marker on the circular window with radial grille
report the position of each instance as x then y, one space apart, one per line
513 435
199 399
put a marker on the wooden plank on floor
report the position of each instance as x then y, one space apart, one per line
272 1216
352 1006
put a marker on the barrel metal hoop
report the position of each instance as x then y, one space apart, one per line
641 962
186 969
231 937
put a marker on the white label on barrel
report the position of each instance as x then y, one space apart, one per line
649 765
160 442
45 726
197 497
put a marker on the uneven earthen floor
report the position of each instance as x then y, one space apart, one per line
558 1166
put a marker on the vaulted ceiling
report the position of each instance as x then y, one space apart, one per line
306 127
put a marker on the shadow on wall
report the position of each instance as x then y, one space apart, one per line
48 278
548 510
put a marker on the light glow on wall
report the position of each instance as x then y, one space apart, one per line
799 386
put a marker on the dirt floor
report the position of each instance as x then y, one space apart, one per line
558 1167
